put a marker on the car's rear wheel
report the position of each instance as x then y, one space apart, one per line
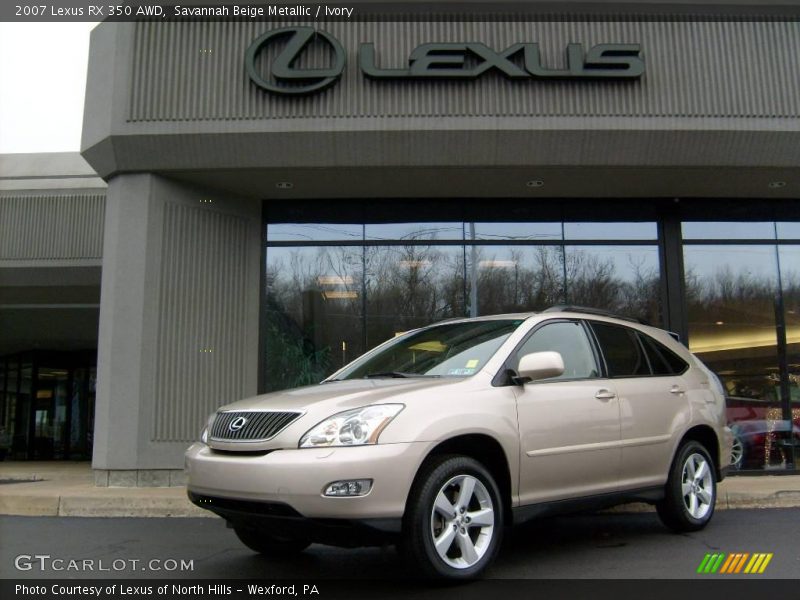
737 452
453 522
691 491
269 545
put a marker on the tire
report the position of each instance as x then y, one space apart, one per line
469 533
269 545
691 490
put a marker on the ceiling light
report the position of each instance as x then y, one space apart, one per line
720 323
534 183
284 185
775 185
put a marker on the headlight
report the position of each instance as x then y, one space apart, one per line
207 428
351 428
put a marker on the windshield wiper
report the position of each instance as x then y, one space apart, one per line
398 374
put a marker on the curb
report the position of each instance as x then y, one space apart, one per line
100 506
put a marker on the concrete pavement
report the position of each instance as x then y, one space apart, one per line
67 489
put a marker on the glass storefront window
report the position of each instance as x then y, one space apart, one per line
623 279
327 304
414 231
313 232
610 231
313 313
411 286
515 231
789 257
516 278
788 230
728 230
731 293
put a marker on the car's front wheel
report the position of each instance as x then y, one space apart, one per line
691 492
453 522
269 545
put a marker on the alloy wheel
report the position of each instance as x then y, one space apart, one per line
462 521
697 486
737 452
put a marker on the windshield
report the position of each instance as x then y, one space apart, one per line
448 350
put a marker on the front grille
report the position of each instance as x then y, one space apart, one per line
258 425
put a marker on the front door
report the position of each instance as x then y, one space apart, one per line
569 426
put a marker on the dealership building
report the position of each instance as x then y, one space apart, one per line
258 203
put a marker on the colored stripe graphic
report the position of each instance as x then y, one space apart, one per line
704 563
727 564
741 562
737 562
764 564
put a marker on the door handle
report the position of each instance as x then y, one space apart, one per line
675 389
605 395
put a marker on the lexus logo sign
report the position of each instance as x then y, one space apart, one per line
284 78
434 61
237 423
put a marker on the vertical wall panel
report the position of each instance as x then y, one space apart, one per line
53 227
200 347
195 71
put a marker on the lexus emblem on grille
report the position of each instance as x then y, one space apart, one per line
237 423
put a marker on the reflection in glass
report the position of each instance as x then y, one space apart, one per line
788 230
622 279
728 230
731 293
411 286
327 304
313 313
415 231
516 278
516 231
313 232
611 231
448 350
790 282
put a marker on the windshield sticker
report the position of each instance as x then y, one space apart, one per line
471 364
460 371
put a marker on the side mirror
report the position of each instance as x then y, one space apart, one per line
540 365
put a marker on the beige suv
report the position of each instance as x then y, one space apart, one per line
439 438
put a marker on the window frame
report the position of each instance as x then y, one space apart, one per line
643 338
504 376
638 335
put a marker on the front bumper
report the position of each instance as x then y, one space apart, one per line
296 478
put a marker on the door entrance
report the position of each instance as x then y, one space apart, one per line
47 405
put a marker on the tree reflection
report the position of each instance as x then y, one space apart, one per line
323 310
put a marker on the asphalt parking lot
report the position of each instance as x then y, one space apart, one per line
592 546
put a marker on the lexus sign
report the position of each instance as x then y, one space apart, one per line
431 61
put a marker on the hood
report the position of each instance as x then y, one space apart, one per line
320 401
341 395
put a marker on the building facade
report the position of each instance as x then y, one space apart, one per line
284 196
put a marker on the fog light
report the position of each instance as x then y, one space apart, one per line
355 487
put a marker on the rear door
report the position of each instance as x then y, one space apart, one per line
652 401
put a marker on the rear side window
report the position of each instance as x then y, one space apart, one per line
622 350
663 361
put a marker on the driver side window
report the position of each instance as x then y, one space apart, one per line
568 338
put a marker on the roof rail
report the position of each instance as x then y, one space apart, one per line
593 311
